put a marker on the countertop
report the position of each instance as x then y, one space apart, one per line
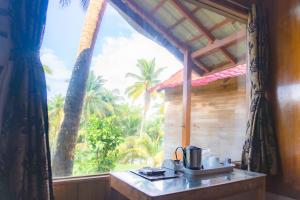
183 183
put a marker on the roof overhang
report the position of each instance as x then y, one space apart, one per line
213 32
176 80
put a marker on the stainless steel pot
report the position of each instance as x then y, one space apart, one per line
191 157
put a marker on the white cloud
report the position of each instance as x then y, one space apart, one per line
58 81
119 56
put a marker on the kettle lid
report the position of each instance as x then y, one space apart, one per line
192 148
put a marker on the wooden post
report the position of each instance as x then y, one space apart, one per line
186 99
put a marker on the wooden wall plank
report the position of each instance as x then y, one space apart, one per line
284 37
82 188
67 191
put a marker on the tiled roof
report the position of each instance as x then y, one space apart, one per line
177 78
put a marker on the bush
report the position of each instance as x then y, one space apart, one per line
103 135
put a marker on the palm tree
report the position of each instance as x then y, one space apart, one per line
142 148
56 113
47 71
67 136
146 79
130 120
98 100
93 96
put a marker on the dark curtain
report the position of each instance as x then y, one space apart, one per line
25 168
260 149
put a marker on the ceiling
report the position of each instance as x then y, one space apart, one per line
216 41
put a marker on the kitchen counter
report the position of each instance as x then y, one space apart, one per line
218 186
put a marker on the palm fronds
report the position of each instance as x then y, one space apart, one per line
84 3
148 77
47 69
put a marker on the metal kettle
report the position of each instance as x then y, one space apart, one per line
191 157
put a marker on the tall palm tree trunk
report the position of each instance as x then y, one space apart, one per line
67 136
146 108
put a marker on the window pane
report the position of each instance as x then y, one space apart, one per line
132 113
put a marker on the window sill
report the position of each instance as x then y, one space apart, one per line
81 178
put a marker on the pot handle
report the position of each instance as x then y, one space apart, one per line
183 151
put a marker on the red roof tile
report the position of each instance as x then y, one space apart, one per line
177 78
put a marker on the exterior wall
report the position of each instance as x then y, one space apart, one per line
219 117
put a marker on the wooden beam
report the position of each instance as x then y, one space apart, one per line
220 8
215 27
186 13
220 44
150 20
158 6
198 70
228 55
186 99
182 19
231 6
220 24
200 65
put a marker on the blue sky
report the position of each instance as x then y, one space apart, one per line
117 48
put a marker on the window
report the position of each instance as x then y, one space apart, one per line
132 109
116 132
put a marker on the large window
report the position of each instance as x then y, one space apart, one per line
121 124
132 109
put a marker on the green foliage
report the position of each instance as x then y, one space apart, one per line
47 70
147 78
103 137
109 133
56 113
153 129
130 119
145 148
98 100
144 81
84 160
93 95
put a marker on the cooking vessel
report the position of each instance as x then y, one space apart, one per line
191 157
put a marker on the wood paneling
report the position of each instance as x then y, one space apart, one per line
218 119
82 188
284 24
115 195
